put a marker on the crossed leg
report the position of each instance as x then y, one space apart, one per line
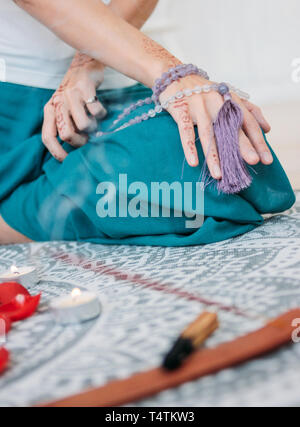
8 235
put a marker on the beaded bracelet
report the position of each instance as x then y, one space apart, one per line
201 89
172 75
167 78
164 106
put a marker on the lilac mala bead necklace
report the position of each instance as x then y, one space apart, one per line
172 75
227 126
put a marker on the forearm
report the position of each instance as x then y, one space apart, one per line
92 28
136 12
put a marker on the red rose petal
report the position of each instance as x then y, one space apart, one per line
4 358
9 290
16 311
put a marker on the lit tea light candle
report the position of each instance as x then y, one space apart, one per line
14 269
26 276
77 307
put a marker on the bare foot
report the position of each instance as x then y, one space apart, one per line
8 235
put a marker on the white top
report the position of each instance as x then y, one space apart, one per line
32 55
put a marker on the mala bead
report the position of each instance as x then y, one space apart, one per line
175 74
188 92
179 95
239 92
131 108
223 89
207 88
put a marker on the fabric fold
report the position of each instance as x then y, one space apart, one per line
48 200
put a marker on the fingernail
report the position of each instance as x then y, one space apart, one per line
193 160
253 156
267 157
102 113
217 172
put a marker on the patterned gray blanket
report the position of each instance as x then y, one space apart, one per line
148 295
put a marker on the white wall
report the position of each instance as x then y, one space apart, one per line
250 43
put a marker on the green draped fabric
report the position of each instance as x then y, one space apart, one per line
47 200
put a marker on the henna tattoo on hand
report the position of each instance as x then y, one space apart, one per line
183 112
83 62
81 59
159 52
57 103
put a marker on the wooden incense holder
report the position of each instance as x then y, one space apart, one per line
204 362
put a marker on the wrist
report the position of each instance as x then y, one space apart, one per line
174 75
84 67
156 69
95 71
156 60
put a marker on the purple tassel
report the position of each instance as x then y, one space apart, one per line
235 176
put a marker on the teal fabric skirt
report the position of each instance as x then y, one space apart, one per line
47 200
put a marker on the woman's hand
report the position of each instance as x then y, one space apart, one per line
121 46
73 110
202 110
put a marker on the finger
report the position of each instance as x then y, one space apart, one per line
95 108
180 113
66 128
90 100
82 121
247 150
207 138
254 133
257 113
49 133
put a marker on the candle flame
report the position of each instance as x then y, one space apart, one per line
14 269
76 293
